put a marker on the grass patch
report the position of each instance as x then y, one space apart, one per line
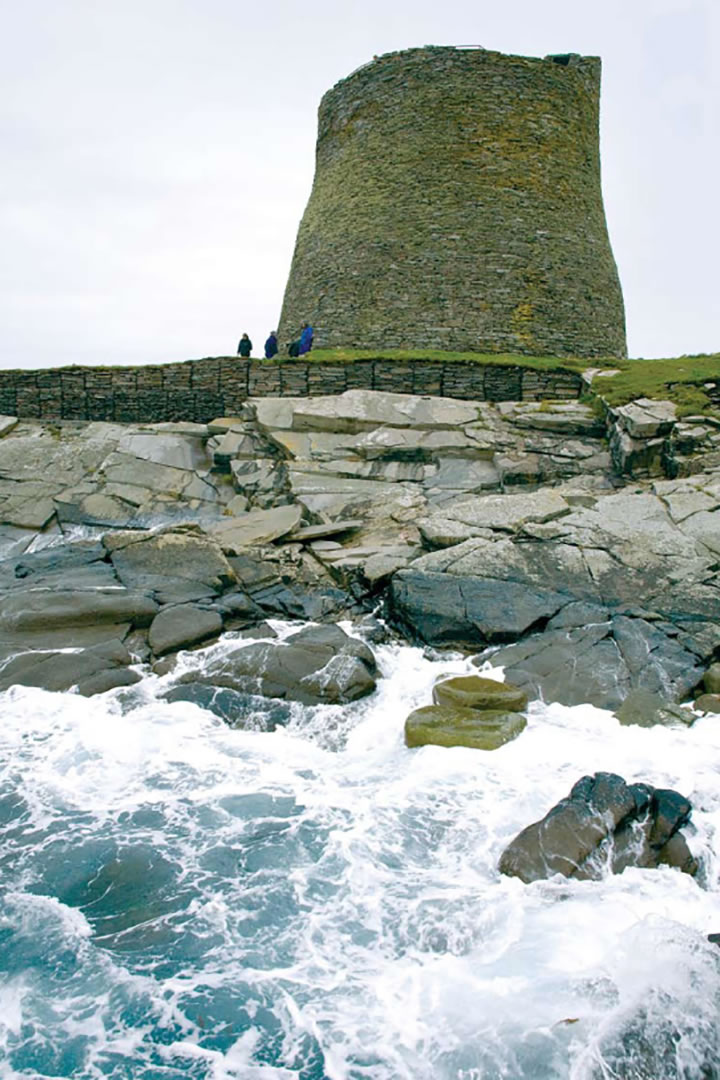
537 363
679 379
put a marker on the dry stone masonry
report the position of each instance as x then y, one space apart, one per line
457 205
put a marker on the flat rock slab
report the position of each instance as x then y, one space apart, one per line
502 513
604 823
360 410
309 533
256 527
452 725
475 692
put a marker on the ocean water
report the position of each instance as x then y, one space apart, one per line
182 899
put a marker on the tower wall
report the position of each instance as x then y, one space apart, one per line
457 205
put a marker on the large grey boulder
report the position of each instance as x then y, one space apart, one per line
46 618
604 823
181 563
317 665
92 671
180 625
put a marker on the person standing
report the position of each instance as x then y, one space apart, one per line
306 339
271 345
244 346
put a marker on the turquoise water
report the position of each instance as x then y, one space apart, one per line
183 899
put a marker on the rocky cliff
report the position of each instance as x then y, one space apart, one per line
587 552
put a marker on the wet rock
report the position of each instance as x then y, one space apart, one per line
475 692
645 709
452 725
180 625
603 824
53 618
319 664
246 711
91 671
601 663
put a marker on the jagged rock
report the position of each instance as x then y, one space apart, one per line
453 725
500 513
476 692
361 410
165 448
320 664
604 823
92 671
180 625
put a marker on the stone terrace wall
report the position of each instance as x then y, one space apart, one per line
457 205
202 389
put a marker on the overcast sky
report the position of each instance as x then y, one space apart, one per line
156 157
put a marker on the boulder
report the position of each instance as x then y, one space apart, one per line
708 703
180 625
317 665
246 711
711 679
646 709
91 671
233 534
453 725
604 823
475 692
175 559
445 609
53 618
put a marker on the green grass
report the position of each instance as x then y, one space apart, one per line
679 379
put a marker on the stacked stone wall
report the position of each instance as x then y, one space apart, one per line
199 390
457 205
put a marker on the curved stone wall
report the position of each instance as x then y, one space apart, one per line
457 205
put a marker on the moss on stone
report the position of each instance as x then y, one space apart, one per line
475 692
449 725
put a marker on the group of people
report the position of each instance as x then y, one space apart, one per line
295 348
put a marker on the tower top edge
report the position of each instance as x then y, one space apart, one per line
429 52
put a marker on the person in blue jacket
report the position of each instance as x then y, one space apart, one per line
244 346
306 339
271 345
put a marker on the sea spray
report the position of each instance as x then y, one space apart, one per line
185 899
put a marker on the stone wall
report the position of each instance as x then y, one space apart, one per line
202 389
457 205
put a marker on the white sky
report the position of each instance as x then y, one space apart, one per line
156 157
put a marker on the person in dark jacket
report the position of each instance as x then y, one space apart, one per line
271 345
306 339
244 346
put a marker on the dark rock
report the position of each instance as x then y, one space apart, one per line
475 692
604 823
453 725
319 664
238 710
46 618
601 663
446 609
92 670
714 939
184 624
71 566
176 558
296 601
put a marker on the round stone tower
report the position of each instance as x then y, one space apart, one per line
457 205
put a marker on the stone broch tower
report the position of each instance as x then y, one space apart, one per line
457 205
